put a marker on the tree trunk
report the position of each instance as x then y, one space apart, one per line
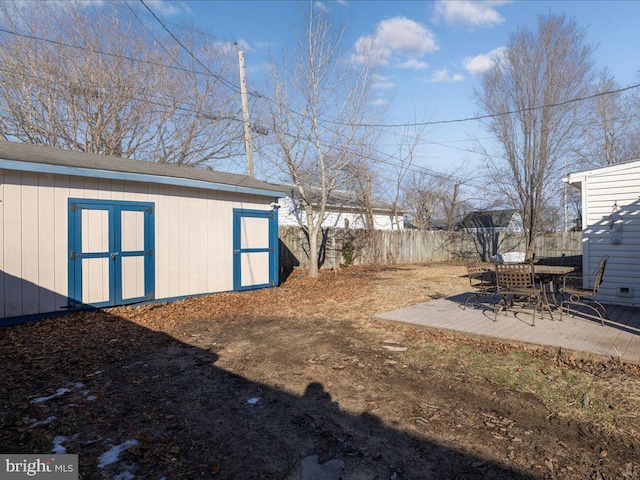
313 243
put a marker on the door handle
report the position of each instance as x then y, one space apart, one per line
114 255
236 252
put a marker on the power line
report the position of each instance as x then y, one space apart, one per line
226 82
150 99
98 52
256 94
492 115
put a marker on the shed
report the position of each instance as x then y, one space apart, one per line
83 230
344 210
611 226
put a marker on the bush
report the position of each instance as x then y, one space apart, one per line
348 253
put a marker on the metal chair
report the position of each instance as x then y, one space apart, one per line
481 280
518 282
584 297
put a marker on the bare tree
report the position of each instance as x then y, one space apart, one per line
404 157
431 195
87 77
321 100
631 143
609 123
421 199
538 76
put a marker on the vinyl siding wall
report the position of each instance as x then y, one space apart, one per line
600 191
193 236
289 215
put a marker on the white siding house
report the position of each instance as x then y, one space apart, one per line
344 210
80 230
611 226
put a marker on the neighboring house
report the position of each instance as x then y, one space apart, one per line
436 224
611 226
79 230
492 221
344 210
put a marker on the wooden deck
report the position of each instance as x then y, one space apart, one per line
619 338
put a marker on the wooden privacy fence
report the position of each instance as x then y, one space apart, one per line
341 246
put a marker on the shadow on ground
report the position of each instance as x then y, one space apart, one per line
178 415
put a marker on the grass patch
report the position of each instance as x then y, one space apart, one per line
564 390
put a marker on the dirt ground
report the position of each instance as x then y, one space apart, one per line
246 385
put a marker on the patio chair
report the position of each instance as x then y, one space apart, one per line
481 280
517 281
583 298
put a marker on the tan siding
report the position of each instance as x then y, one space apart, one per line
191 232
193 239
61 262
213 232
13 243
30 232
203 212
163 240
172 250
46 243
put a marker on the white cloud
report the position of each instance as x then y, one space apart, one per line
406 36
382 83
399 36
369 50
168 9
444 76
380 102
469 13
481 63
414 64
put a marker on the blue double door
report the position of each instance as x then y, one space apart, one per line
111 252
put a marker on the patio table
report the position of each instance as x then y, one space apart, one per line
546 275
551 275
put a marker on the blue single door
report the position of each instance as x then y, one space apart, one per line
255 249
111 252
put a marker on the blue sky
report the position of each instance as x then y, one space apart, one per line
432 52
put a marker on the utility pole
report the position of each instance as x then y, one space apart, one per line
245 113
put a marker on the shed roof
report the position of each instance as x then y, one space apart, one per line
44 159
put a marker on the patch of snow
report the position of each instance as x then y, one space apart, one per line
58 448
253 401
112 455
46 421
91 398
59 393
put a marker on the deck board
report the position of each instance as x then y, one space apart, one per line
619 338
